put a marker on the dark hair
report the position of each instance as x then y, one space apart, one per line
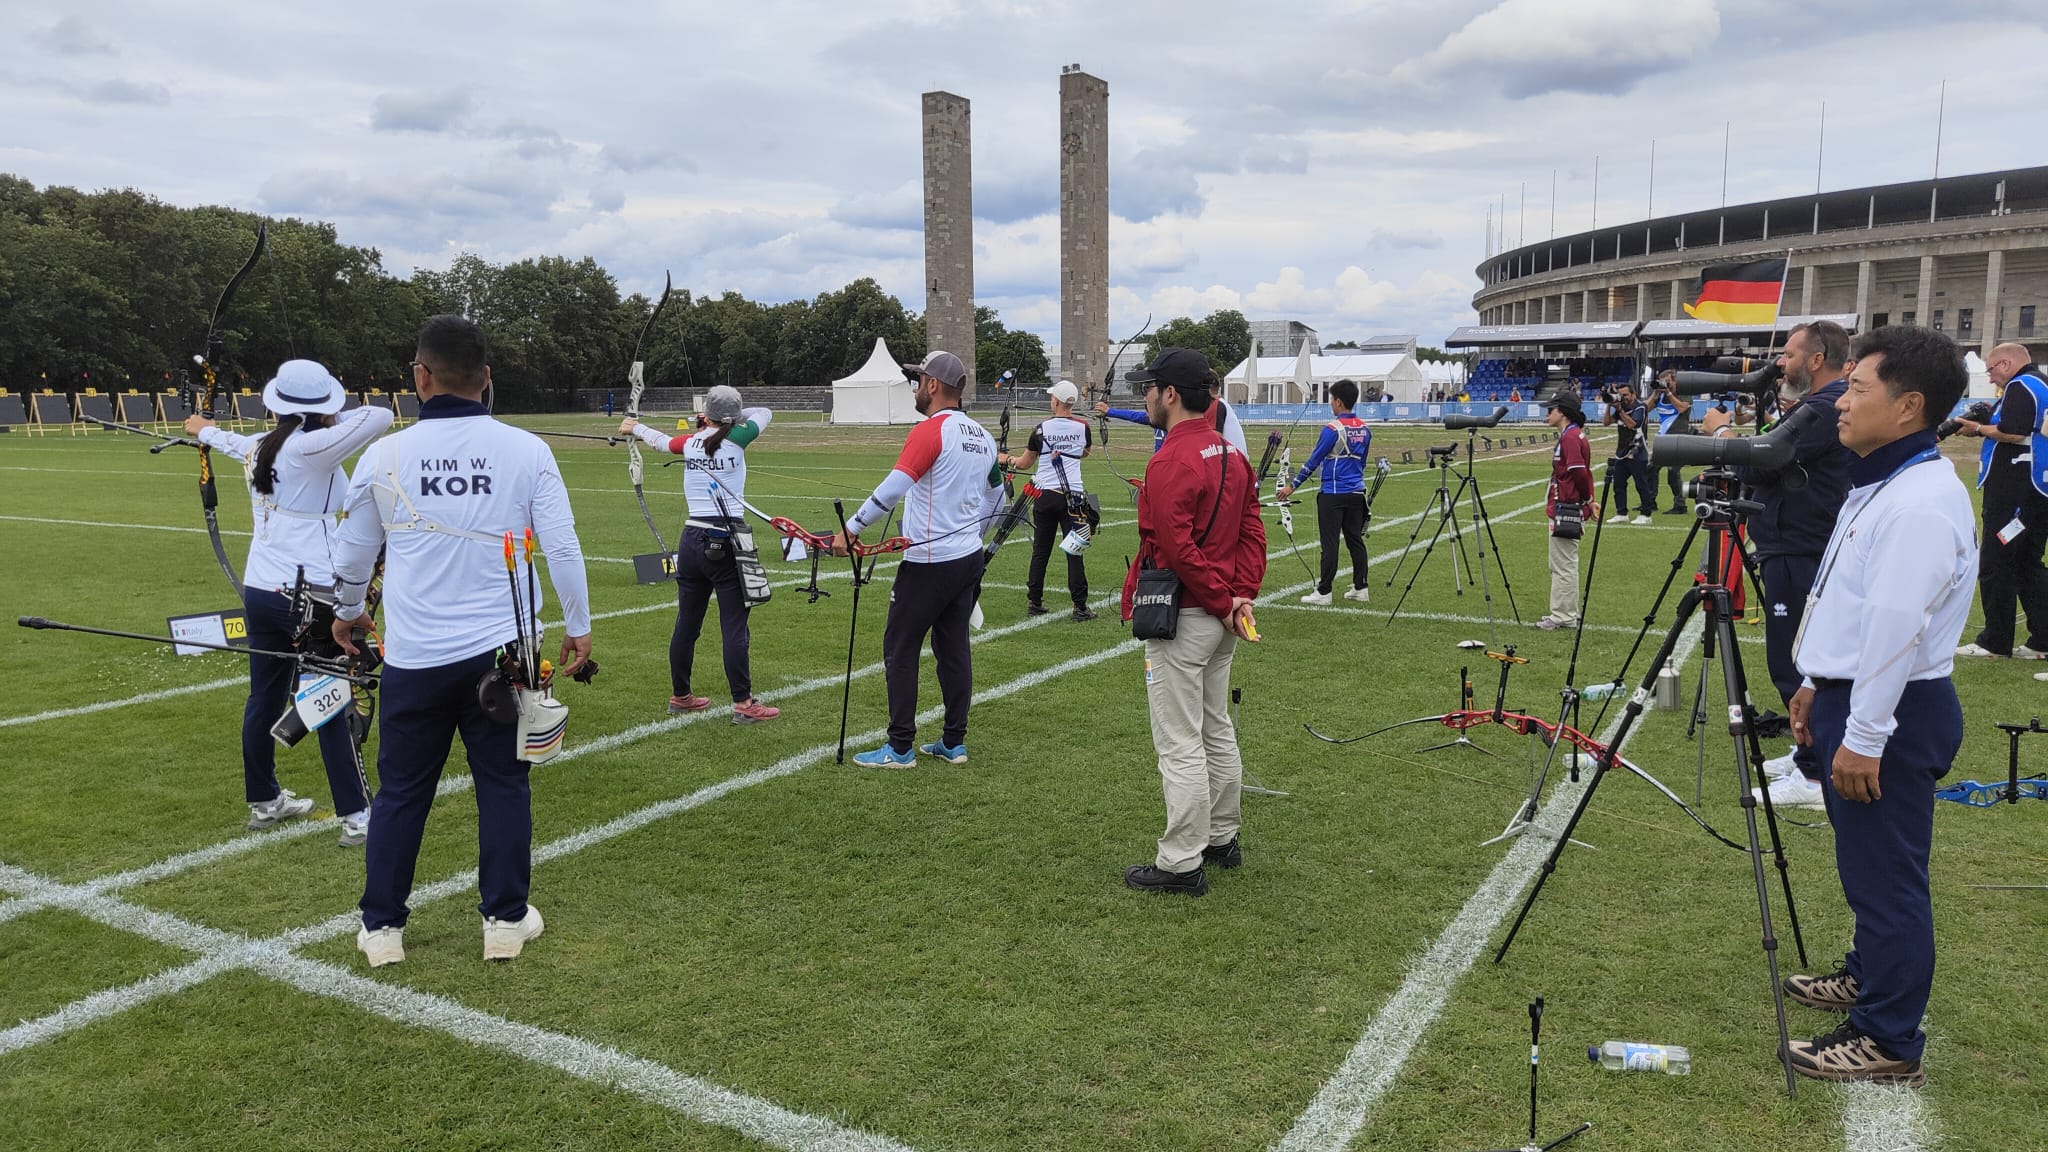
1196 399
263 477
1347 391
1918 360
1832 338
716 440
455 350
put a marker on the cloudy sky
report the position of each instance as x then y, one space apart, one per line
1334 165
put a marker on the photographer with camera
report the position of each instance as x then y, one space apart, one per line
1673 416
1631 459
2011 472
1569 506
1799 501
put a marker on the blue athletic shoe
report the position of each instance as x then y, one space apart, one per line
957 754
885 757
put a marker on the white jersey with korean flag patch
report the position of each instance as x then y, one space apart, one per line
950 487
438 498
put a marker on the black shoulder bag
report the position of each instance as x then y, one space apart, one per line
1155 602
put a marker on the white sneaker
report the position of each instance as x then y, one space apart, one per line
503 939
1362 595
1640 520
355 829
2043 676
1975 649
1618 518
271 813
384 946
1779 767
2022 652
1319 599
1796 791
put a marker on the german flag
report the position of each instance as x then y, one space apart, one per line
1740 293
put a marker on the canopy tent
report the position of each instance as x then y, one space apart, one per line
876 392
1295 379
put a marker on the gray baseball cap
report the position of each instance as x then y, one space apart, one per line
722 405
943 365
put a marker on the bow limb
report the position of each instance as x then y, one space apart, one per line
1108 389
636 384
204 398
1369 735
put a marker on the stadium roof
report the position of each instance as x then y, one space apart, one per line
1701 329
1523 335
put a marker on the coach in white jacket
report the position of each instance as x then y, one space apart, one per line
438 498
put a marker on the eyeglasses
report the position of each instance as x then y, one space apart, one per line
421 364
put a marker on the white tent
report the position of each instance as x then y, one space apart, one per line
876 393
1283 379
1980 378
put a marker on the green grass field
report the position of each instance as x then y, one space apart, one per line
748 946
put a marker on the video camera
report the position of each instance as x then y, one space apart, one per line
1978 413
1773 449
1458 420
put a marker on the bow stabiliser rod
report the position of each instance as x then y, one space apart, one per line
168 441
339 669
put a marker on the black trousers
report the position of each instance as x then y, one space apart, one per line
1787 580
697 577
935 600
423 709
271 685
2010 577
1341 514
1048 527
1677 489
1636 467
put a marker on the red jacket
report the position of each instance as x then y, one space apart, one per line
1571 469
1187 480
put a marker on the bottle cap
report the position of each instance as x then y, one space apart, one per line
1593 1054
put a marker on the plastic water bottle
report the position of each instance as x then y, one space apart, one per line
1598 691
1623 1056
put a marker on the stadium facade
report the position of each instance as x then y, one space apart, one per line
1965 254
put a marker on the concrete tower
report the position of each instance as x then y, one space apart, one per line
1084 227
949 230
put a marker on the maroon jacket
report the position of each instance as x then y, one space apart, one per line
1571 470
1184 483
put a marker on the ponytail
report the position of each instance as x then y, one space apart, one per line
263 477
712 443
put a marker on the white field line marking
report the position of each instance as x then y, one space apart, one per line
110 524
1334 1118
106 705
1447 617
275 959
698 1099
1886 1118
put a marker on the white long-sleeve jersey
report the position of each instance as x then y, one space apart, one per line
438 498
728 471
295 523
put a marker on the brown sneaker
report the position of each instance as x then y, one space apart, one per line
1834 992
678 705
1846 1054
753 712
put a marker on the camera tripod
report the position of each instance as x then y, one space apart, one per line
1445 504
1535 1035
1720 510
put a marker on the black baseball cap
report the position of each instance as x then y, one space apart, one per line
1174 368
1567 399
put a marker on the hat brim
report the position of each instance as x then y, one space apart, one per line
287 404
913 372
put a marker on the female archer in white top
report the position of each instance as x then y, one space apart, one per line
296 484
715 480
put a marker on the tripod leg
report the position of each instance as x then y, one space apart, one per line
1401 561
1742 735
1480 517
1629 716
1431 547
1754 748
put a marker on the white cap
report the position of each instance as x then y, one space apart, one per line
1064 392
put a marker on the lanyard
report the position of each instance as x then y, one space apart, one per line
1834 553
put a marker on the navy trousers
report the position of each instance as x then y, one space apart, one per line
697 577
271 685
1881 851
422 710
1634 468
1787 580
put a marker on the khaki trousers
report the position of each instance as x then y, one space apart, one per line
1187 684
1564 581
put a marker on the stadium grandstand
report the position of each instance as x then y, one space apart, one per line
1967 255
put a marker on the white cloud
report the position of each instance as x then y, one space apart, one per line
1529 47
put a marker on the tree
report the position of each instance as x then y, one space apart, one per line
1231 336
1182 332
998 350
